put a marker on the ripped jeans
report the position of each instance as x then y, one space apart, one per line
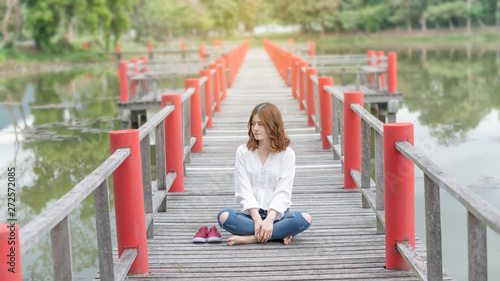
239 223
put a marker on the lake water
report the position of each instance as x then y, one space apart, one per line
53 130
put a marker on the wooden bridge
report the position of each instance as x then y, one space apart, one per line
342 242
196 134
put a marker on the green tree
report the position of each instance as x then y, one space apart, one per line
91 15
407 12
43 17
12 8
447 11
120 21
321 13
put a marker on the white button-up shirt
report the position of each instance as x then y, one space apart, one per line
267 186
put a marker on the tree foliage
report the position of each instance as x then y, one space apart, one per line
45 20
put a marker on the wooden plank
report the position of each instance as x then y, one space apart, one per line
161 165
124 263
433 230
60 239
103 228
477 248
153 122
411 257
146 180
479 207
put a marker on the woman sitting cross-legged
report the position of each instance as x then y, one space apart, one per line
264 174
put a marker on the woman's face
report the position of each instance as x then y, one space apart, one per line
259 132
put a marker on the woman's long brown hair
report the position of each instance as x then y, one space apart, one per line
272 121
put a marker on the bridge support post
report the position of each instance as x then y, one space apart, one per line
325 110
311 106
174 148
392 73
352 138
129 199
301 84
208 96
399 194
10 259
123 75
196 126
215 66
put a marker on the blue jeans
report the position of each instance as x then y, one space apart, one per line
239 223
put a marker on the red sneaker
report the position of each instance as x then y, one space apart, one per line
201 236
214 235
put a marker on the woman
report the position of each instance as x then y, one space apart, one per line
264 172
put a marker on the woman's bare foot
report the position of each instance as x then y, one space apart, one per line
237 239
287 240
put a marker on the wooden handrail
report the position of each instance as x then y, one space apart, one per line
54 214
483 210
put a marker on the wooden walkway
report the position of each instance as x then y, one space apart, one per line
342 242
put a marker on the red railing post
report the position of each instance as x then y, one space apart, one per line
371 55
150 50
10 257
392 74
232 68
208 96
352 138
174 148
134 83
215 66
196 126
144 61
183 46
312 48
325 110
399 192
129 199
222 63
227 61
380 54
123 75
118 48
288 65
202 52
290 42
311 106
295 61
301 84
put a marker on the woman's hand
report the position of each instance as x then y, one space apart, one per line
266 230
258 228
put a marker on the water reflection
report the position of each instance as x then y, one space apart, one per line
452 90
60 123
